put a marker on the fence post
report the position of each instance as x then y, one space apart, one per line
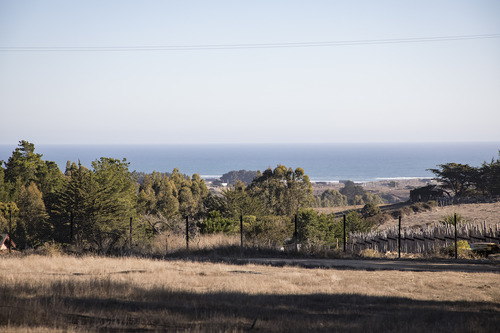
456 245
10 228
295 235
72 219
344 232
187 233
130 235
241 230
399 238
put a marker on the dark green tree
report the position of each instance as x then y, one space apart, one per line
488 177
236 201
331 198
244 176
284 191
33 227
459 178
99 203
353 192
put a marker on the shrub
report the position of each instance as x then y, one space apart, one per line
370 253
215 223
50 249
463 248
268 231
450 219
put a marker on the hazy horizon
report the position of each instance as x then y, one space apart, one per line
276 72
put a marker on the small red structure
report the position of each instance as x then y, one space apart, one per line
4 242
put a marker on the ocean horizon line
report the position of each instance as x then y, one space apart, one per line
326 162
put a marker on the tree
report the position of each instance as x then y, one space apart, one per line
370 210
33 228
243 176
4 187
351 191
331 198
315 229
23 164
215 223
284 191
236 201
114 202
99 203
25 167
356 223
459 178
488 177
8 217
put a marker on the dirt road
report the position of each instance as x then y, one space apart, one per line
383 264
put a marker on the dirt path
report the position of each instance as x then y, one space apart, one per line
382 264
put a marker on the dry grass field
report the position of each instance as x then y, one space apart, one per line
473 213
81 294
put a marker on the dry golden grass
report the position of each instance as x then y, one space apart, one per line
163 244
130 294
473 213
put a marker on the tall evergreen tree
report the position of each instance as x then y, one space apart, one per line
33 228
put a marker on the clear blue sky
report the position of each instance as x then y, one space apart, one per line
383 92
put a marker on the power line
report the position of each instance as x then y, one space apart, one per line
241 46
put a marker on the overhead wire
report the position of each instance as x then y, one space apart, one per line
241 46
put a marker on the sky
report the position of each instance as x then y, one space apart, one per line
81 88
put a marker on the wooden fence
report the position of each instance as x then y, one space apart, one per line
423 239
441 202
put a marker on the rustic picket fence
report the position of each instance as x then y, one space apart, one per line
423 239
442 202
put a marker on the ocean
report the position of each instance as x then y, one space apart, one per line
358 162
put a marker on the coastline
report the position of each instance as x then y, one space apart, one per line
398 189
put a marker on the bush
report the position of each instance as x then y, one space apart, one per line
267 231
370 253
370 210
450 219
50 249
216 223
463 248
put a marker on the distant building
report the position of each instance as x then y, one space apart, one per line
4 242
426 193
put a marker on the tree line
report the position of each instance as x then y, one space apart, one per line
93 208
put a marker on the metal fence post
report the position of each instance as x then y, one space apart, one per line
345 220
187 233
295 235
399 238
241 230
456 245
